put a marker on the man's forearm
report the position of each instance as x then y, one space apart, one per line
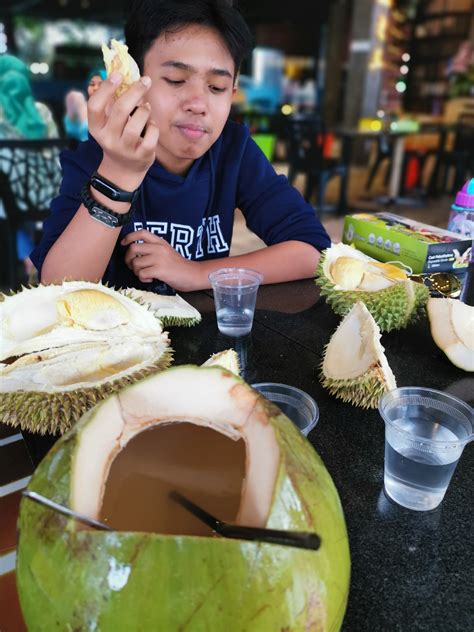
287 261
82 252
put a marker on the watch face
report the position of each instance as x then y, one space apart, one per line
112 191
104 188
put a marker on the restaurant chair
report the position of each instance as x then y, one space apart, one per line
30 176
384 152
460 157
306 137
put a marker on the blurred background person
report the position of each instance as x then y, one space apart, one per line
20 115
94 80
21 118
75 117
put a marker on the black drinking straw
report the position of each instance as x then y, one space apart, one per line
299 539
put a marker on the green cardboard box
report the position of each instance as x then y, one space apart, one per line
389 237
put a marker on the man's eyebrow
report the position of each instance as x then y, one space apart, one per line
221 72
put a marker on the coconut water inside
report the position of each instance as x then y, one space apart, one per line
200 463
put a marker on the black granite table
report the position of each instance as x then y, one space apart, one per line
411 571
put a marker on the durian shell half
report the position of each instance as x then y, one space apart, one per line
55 367
354 367
393 307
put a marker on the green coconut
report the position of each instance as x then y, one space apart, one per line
65 347
147 579
173 311
452 328
346 275
354 366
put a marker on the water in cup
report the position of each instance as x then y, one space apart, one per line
425 433
233 321
417 478
235 294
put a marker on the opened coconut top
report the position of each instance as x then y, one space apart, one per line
244 481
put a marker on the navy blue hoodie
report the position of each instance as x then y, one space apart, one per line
194 213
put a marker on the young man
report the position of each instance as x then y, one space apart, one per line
166 145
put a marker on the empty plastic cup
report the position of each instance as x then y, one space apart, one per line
295 403
425 433
235 294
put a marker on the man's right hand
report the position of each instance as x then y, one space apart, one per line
117 125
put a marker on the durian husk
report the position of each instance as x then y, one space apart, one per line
53 368
228 359
362 373
394 307
173 311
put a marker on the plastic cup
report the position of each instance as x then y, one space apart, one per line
425 434
235 294
295 403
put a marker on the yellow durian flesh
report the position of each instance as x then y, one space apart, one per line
117 59
46 317
91 309
452 328
347 272
352 270
391 271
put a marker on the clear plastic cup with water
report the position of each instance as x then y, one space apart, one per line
235 294
425 433
295 403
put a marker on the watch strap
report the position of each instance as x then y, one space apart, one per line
101 213
111 190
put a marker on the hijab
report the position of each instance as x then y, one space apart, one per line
17 101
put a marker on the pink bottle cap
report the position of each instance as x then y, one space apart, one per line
465 197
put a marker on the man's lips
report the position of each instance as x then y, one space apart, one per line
191 131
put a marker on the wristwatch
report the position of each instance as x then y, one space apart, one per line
102 213
110 190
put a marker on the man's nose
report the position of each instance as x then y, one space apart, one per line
196 100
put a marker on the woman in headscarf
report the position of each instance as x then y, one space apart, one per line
94 79
22 118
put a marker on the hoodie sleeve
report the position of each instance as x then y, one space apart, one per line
77 167
273 209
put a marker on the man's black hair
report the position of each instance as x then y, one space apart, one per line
148 19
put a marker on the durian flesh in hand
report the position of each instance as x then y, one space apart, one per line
346 275
117 59
452 328
354 366
65 347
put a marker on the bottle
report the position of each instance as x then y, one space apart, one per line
461 221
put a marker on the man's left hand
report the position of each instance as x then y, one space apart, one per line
154 258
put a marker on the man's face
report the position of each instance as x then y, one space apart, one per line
192 75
